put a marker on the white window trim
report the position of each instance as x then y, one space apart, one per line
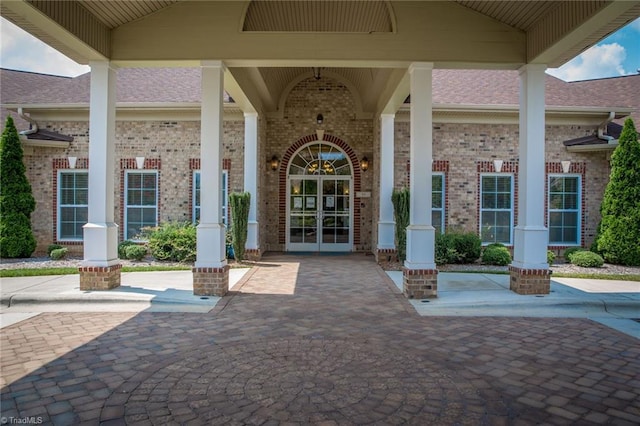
59 237
225 196
442 201
126 203
511 210
578 210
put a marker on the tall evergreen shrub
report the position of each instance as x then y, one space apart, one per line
401 206
239 203
618 239
16 199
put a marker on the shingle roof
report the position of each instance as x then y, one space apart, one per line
182 85
15 84
623 90
502 87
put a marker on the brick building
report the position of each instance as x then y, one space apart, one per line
164 129
318 109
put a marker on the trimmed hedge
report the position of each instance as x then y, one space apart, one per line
587 259
59 253
570 251
496 254
135 252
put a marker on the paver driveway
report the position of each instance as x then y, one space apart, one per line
317 340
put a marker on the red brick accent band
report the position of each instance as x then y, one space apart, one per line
211 270
99 269
407 271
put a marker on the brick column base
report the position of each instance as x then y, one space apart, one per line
99 277
253 255
211 281
530 281
420 283
386 258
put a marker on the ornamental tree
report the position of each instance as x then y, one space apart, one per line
16 200
240 203
618 239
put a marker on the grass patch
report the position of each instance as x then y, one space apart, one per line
36 272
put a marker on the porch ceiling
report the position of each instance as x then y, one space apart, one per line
368 45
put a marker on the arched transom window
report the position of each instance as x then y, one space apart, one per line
320 158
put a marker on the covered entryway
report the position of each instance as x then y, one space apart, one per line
319 201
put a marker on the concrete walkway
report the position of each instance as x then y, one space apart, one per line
317 340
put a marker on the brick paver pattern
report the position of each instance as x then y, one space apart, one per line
322 340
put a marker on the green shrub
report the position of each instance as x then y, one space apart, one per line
52 247
467 245
570 251
551 256
239 202
122 248
135 252
58 254
172 241
587 259
16 199
618 238
445 253
17 238
496 254
401 201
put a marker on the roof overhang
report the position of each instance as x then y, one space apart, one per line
449 34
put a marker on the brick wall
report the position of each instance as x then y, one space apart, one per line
174 145
306 100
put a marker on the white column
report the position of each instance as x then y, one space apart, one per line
531 236
251 176
420 233
211 232
101 231
386 223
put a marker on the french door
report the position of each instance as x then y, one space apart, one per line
319 213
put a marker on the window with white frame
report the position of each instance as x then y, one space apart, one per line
141 201
73 204
496 208
437 202
196 196
564 209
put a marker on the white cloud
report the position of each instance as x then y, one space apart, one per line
599 61
21 51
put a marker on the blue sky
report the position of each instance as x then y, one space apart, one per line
618 54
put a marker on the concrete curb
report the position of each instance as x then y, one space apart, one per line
33 299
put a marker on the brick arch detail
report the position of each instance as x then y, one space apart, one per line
282 182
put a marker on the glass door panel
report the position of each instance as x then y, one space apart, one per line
319 202
303 208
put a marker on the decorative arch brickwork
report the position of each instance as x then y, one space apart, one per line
282 182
